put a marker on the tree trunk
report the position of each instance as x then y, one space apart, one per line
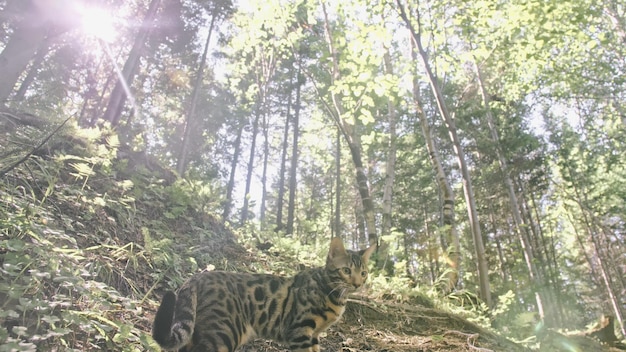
43 49
433 251
593 275
92 96
546 267
233 170
337 214
502 259
390 172
481 260
27 38
181 166
255 132
266 153
99 104
452 245
591 228
294 156
520 226
354 145
614 301
612 251
352 138
283 161
550 252
118 96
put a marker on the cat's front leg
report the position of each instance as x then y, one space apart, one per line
302 340
309 345
316 347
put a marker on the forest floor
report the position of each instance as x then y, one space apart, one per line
85 258
386 326
374 325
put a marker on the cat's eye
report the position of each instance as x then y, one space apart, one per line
346 271
364 273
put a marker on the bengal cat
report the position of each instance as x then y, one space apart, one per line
218 311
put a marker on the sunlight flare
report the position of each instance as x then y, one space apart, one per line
97 22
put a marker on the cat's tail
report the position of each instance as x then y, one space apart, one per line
174 323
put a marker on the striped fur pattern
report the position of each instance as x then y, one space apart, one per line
219 311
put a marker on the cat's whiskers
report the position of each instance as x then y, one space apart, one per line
333 290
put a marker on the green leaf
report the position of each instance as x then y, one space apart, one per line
9 313
82 169
15 244
20 330
50 319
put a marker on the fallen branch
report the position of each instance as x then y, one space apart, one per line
24 119
28 155
604 330
602 334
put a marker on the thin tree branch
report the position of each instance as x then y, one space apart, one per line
28 155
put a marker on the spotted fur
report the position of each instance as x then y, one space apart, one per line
218 311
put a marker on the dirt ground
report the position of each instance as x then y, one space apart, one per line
385 326
372 326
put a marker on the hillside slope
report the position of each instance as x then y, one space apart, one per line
91 236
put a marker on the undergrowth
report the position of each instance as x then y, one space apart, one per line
83 249
90 237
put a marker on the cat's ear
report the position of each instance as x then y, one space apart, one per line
336 248
366 253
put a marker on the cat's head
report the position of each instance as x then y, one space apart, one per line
347 269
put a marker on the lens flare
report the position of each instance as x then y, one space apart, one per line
97 22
